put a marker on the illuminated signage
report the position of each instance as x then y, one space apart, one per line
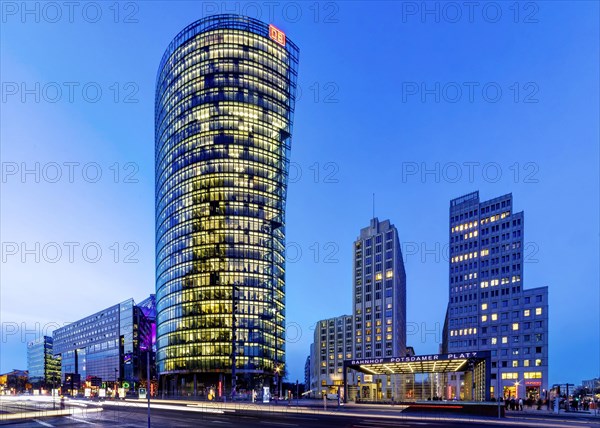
418 358
276 34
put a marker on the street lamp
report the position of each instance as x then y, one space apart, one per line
52 392
277 389
234 309
270 229
499 394
116 391
148 380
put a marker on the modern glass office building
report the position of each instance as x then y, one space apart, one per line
489 309
225 97
110 344
43 367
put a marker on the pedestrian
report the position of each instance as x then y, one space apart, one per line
62 403
521 404
507 403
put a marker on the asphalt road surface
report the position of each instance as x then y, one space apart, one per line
130 417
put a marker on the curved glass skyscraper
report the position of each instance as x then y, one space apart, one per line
225 97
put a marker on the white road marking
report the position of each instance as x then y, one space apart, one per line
366 423
378 425
80 420
279 423
46 424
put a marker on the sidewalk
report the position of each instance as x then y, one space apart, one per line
545 412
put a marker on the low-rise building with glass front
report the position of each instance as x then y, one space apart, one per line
42 365
225 95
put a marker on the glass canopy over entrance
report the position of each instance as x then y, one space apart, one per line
394 378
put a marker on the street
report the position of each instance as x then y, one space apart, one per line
134 414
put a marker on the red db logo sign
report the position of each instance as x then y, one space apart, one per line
277 35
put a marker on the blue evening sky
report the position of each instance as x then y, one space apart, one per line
379 107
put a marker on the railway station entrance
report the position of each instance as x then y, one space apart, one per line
416 377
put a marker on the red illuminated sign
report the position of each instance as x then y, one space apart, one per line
276 34
533 383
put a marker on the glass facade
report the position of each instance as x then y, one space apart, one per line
42 366
108 344
225 97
